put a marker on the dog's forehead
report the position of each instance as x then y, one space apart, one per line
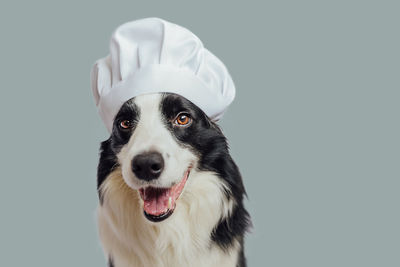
148 103
165 104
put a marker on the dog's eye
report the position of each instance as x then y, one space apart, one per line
125 124
183 119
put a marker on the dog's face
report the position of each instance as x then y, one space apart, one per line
158 139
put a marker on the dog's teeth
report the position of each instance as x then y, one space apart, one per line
169 202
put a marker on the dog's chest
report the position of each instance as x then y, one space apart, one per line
161 246
182 240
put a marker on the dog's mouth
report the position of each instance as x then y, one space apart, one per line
159 203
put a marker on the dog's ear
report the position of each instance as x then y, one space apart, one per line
101 78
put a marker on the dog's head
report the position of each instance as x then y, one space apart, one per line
157 140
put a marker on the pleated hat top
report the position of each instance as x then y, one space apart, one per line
152 56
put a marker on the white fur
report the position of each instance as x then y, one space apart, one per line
183 239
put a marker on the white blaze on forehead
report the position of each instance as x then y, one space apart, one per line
152 134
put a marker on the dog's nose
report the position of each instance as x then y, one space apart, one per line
148 166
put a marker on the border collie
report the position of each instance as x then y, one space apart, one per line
170 193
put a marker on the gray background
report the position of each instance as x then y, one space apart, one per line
314 127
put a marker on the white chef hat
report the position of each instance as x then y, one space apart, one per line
152 55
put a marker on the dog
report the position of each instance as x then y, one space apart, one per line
169 192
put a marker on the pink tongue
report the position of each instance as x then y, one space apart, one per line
156 200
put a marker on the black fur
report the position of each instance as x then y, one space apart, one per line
109 148
242 259
206 140
110 262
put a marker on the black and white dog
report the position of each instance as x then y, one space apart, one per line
170 193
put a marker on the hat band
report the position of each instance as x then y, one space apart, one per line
159 79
